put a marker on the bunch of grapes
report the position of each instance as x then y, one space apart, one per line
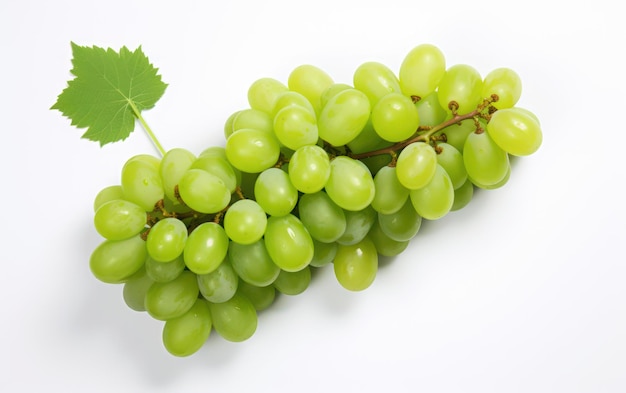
313 173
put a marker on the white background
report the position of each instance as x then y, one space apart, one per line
521 291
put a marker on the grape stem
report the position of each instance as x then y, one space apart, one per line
146 128
424 135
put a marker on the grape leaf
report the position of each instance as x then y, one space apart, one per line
109 91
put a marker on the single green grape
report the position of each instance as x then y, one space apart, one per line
245 221
463 195
114 261
119 219
275 193
343 117
395 117
141 182
324 220
166 239
206 247
434 200
263 93
135 289
515 132
309 169
452 161
416 165
456 134
288 243
422 70
203 192
506 84
356 265
375 80
310 81
430 111
350 184
296 126
463 85
253 263
385 245
235 319
485 161
167 300
219 285
293 283
186 334
323 253
402 225
164 271
260 297
358 224
110 193
390 194
252 151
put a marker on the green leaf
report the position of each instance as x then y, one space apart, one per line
109 92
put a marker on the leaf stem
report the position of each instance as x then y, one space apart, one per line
146 128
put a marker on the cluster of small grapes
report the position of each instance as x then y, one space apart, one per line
313 173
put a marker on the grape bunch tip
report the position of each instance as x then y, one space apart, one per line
313 173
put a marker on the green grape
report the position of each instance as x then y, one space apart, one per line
252 151
141 182
114 261
167 300
430 111
485 161
402 225
358 224
343 117
416 165
245 221
206 248
311 82
173 166
288 243
323 253
293 283
463 195
463 85
164 271
422 70
274 192
506 84
166 239
324 220
350 184
110 193
295 126
435 199
452 161
119 219
203 192
309 169
228 125
356 265
264 92
385 245
291 98
185 335
332 91
375 80
252 119
253 263
515 132
219 285
260 297
219 167
390 194
456 134
235 319
494 186
135 290
395 117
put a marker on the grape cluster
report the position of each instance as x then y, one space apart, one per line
313 173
